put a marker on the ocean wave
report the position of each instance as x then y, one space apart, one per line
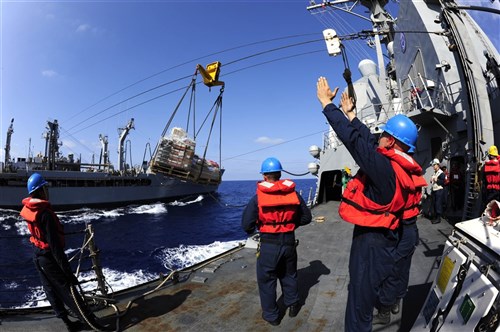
171 258
185 256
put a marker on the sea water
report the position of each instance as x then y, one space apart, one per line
136 243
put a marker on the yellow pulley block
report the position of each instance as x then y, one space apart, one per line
211 74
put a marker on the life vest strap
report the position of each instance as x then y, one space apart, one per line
359 207
275 223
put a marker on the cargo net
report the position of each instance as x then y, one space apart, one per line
176 157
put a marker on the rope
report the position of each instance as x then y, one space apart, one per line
83 314
348 76
224 204
302 174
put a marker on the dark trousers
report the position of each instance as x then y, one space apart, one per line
56 286
396 284
276 262
370 262
437 198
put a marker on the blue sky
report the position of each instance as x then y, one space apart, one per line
63 59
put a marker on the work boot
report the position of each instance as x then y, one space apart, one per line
437 220
72 326
383 317
395 307
294 310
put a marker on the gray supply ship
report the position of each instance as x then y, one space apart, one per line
174 171
442 72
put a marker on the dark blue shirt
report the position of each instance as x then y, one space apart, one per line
361 144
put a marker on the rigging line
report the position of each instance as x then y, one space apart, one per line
132 107
182 88
173 81
342 26
68 134
272 50
130 98
270 61
274 145
186 62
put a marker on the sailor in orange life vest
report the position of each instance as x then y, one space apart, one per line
47 236
491 176
395 286
276 211
373 201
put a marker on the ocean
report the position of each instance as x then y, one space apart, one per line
136 243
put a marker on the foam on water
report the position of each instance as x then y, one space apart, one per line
171 258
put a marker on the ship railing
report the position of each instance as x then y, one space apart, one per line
422 93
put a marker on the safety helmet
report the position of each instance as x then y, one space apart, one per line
436 162
493 151
35 182
403 129
270 165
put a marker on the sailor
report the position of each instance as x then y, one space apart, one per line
395 286
47 237
276 211
437 182
491 176
373 200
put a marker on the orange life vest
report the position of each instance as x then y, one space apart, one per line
492 172
278 206
358 209
31 212
412 208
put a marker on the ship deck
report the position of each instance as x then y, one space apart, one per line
222 295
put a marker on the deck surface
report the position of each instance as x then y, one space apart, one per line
223 295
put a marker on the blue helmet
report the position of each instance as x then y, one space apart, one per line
270 165
403 129
35 182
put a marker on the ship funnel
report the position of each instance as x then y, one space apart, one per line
314 151
313 168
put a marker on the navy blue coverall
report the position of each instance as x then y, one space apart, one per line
54 269
277 260
371 259
396 284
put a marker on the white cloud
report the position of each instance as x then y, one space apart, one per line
269 140
83 28
49 73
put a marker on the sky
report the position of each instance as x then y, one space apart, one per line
94 65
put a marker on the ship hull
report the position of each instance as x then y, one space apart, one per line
72 190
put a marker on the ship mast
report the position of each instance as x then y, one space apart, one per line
51 144
121 151
104 151
10 131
